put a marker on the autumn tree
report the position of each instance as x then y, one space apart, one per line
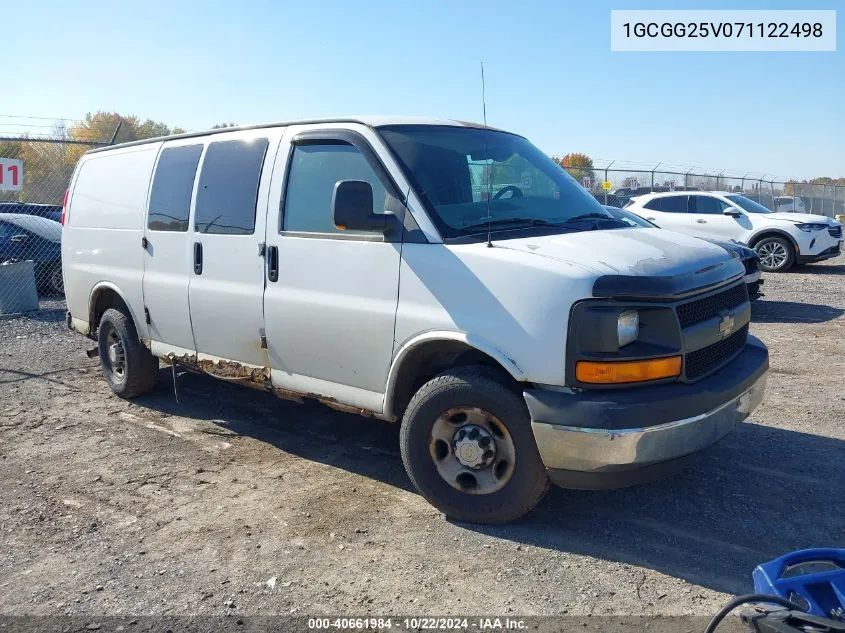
48 166
103 126
578 165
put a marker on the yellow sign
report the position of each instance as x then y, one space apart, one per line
606 185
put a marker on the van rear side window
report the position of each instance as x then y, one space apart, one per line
228 187
173 183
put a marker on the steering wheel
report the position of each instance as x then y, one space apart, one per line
515 191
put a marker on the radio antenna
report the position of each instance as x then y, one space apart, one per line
487 167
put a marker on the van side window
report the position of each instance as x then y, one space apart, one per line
314 171
173 183
228 187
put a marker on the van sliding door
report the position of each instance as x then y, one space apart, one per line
167 248
227 264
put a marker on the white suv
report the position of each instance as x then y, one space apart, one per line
780 239
437 273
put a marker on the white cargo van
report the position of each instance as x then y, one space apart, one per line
438 273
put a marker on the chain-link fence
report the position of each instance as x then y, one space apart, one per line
615 185
34 176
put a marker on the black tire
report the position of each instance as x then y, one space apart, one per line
139 371
773 242
475 387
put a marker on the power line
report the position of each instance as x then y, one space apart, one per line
37 118
29 125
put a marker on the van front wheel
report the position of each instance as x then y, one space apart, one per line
467 445
127 365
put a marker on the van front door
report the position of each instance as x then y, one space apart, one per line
227 267
330 303
167 258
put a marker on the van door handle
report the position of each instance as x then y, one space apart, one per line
273 263
197 258
702 221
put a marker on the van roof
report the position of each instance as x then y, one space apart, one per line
370 121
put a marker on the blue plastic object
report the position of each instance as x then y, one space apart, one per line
814 577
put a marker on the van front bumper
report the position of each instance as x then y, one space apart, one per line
621 437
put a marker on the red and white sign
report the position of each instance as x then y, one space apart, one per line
11 174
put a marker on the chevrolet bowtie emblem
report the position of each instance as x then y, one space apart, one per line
726 325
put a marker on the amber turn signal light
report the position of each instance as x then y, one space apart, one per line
618 372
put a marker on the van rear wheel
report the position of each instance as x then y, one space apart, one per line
128 367
467 444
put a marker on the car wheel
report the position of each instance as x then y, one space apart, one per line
776 254
128 367
56 281
467 444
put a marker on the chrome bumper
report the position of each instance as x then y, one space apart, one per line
591 450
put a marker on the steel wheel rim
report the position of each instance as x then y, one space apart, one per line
57 282
772 254
115 355
488 474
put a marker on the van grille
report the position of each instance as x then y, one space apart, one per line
708 307
707 359
835 231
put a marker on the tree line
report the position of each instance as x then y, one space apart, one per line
48 166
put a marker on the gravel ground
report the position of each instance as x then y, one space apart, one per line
234 502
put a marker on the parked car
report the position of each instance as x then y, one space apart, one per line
749 258
350 261
789 203
780 239
28 237
612 200
49 211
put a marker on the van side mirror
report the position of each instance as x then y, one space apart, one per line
352 208
732 212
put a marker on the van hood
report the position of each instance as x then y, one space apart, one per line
630 251
649 264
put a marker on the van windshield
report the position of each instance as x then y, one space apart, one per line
462 172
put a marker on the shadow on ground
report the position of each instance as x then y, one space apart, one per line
765 311
760 493
817 269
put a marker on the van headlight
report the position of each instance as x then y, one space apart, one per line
627 327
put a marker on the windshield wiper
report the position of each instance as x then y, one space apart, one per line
500 221
590 216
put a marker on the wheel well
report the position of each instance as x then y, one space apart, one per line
756 239
427 360
103 299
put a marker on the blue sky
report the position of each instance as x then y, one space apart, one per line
550 74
